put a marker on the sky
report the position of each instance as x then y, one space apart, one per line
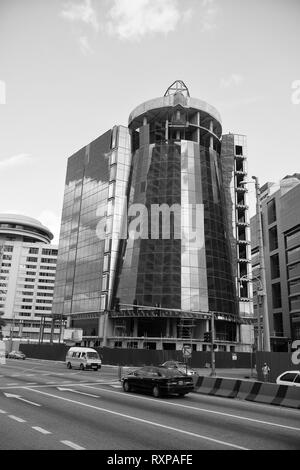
70 70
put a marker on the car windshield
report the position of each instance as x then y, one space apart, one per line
164 372
92 355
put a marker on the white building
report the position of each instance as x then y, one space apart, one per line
27 275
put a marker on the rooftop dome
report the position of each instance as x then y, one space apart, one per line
24 227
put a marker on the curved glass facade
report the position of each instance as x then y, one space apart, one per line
173 272
146 246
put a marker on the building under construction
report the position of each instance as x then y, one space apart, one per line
155 232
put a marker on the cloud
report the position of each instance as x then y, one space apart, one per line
2 92
233 80
85 46
133 19
209 11
82 12
52 221
15 160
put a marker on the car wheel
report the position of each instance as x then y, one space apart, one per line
81 367
69 365
156 392
126 386
181 394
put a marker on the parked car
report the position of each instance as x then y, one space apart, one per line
158 380
84 358
16 355
291 377
181 366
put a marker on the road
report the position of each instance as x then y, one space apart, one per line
43 405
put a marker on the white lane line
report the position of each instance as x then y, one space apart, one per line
50 383
41 430
29 375
72 445
31 383
12 384
140 420
195 408
2 412
16 418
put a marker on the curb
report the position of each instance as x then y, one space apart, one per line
260 392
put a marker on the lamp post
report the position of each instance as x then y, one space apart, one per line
266 327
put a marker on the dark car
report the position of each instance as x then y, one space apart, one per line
16 355
159 381
181 366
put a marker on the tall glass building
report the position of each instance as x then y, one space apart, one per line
146 250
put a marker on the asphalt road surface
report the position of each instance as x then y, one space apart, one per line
43 405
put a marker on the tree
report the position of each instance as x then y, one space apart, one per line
2 323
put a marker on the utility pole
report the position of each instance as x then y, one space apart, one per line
213 356
266 327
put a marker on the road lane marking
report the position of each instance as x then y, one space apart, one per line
41 430
11 384
195 408
2 412
140 420
16 418
31 383
64 389
12 395
72 445
46 384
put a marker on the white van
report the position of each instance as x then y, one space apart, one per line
84 358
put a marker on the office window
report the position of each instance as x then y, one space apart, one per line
31 259
33 251
238 150
8 248
295 303
294 287
111 190
294 270
276 295
293 255
292 239
48 251
278 324
271 211
273 238
275 268
113 173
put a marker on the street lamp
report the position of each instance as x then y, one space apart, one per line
263 295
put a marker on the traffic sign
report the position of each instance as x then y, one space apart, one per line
187 350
